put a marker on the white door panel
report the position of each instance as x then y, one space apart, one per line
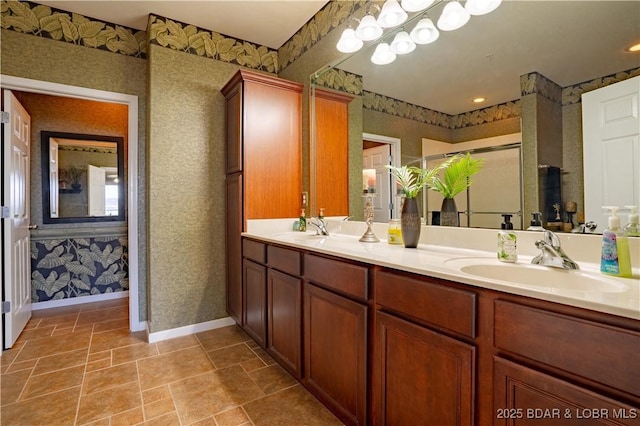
16 239
611 148
377 158
96 181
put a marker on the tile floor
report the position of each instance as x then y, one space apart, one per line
80 365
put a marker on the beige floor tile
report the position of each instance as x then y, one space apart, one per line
35 333
60 361
234 417
101 422
301 409
108 378
272 379
12 385
221 337
114 339
24 365
41 410
52 345
100 315
109 402
134 353
96 356
98 365
231 355
208 394
53 382
156 394
170 419
209 421
167 368
159 408
128 418
264 356
177 344
253 364
115 324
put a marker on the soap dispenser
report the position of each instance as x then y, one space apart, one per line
615 259
536 223
507 239
632 228
303 222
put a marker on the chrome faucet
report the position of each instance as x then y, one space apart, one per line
551 254
319 224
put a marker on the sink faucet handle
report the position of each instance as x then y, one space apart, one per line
551 239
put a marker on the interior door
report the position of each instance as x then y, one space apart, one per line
16 239
611 148
54 171
96 184
377 158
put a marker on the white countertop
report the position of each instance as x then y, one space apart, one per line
586 288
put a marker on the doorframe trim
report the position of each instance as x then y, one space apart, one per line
396 161
56 89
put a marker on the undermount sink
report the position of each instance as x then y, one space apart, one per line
540 277
310 237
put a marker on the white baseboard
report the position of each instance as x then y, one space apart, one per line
78 300
189 329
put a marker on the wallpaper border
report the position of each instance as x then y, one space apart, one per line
57 24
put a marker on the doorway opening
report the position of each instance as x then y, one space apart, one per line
131 101
378 151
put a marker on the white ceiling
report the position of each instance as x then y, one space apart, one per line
567 41
267 22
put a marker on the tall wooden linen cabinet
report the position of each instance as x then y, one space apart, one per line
263 162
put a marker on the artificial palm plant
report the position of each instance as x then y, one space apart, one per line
457 175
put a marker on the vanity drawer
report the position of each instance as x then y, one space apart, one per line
284 260
601 353
449 308
341 276
254 250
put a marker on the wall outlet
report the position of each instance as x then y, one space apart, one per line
304 198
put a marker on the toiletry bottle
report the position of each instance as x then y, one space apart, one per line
633 227
507 239
302 227
615 248
321 214
536 223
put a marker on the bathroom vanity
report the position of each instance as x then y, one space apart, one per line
382 334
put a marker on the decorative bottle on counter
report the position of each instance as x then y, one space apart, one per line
507 241
394 233
303 222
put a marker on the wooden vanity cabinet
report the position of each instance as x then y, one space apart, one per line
263 120
335 335
284 313
420 374
254 286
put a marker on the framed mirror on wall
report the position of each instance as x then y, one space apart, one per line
82 178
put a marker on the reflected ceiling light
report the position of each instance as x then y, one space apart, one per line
479 100
368 29
453 16
481 7
425 32
634 48
348 42
383 55
391 14
402 43
416 5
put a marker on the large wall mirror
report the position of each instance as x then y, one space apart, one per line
491 57
82 178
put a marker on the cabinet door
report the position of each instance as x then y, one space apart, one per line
527 397
254 280
420 376
284 319
234 227
335 343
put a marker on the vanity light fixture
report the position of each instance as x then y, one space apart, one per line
425 32
416 5
383 55
369 29
481 7
402 44
348 42
391 14
453 16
